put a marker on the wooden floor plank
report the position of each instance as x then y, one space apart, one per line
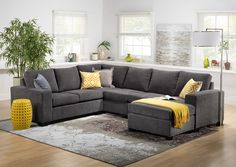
214 150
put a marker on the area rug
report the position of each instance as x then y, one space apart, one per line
104 137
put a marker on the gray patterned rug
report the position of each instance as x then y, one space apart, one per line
103 137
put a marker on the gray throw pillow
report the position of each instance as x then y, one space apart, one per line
106 77
41 82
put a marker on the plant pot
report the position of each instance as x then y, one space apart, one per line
94 56
16 81
227 65
101 53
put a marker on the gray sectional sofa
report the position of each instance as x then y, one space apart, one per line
68 101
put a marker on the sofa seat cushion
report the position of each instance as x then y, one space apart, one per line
138 79
184 77
63 98
67 78
163 82
125 95
48 74
154 111
87 94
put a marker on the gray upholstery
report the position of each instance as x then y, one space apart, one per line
126 95
207 106
137 79
78 109
184 77
87 94
41 100
116 94
115 107
67 78
135 95
66 100
164 82
29 77
89 67
212 86
63 98
154 111
157 126
119 74
41 82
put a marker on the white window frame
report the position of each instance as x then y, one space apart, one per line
55 13
202 14
152 33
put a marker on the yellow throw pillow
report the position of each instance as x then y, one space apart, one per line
90 80
190 87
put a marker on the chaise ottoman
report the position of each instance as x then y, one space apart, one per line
157 120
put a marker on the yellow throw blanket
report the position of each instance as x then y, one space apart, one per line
181 111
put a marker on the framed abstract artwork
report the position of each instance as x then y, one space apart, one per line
173 44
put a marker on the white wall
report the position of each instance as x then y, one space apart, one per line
5 84
111 9
102 15
42 11
169 12
165 12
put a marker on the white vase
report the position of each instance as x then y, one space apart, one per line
16 81
94 56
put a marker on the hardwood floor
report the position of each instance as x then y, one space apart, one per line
215 150
218 149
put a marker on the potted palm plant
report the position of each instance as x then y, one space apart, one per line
225 47
24 46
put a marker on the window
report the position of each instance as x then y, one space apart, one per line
70 32
135 35
224 20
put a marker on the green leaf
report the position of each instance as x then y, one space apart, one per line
24 46
105 44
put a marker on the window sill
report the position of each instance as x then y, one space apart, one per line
170 67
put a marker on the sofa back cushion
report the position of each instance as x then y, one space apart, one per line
184 77
163 82
49 74
138 79
67 78
89 67
119 74
212 86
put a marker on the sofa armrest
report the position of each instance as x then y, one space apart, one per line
41 100
207 107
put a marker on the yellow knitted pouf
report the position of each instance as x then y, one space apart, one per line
21 114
